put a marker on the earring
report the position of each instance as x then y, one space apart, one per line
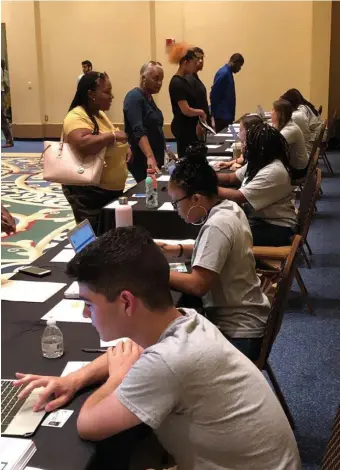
202 220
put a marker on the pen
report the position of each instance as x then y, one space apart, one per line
96 350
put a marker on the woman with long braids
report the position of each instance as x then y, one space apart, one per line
223 265
282 121
88 130
185 98
265 189
304 115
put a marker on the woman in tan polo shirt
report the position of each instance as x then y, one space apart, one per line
88 130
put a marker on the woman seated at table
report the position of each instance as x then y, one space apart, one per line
246 123
266 192
305 116
144 122
223 265
88 130
184 99
282 121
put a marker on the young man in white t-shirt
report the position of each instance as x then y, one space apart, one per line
209 406
265 190
87 67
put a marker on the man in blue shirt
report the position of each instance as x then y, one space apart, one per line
222 95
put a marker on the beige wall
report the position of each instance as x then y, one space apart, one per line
277 39
334 78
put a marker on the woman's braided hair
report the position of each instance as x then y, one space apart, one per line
264 144
89 81
193 174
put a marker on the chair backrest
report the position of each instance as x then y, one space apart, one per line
331 460
308 199
317 142
320 109
279 302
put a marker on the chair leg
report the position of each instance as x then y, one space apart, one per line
304 291
305 257
328 163
321 191
308 247
280 395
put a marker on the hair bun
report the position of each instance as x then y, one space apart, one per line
197 152
177 51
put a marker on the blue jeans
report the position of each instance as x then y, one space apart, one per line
250 347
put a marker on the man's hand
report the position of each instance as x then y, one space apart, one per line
121 358
128 155
62 388
121 136
7 222
151 162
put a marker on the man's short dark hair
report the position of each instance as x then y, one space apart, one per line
125 258
87 62
237 58
198 50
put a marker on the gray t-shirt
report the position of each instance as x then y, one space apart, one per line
235 303
270 193
298 156
210 407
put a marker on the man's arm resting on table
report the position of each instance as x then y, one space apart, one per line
102 415
197 283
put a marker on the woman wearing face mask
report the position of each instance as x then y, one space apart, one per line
144 122
282 121
223 265
88 130
265 189
184 98
246 123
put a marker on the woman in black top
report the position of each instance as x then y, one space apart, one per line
184 99
144 122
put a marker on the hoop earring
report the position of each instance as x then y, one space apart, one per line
198 223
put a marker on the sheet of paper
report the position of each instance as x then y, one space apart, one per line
68 246
189 241
15 453
73 366
138 195
108 344
29 291
72 292
115 204
63 257
164 178
210 146
179 267
219 159
32 468
167 206
229 134
57 418
68 311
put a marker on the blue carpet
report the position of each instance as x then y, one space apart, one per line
306 355
24 146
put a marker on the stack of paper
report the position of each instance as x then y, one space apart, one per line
72 292
29 291
68 311
15 453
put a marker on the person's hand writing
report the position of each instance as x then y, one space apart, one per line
121 358
121 136
62 389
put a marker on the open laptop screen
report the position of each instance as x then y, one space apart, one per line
81 236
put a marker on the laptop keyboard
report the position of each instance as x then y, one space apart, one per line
10 404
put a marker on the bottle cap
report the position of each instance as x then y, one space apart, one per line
123 200
150 171
51 321
148 180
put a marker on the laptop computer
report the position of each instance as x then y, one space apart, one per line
81 236
17 416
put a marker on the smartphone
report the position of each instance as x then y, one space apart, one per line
35 271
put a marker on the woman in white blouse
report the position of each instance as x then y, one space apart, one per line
282 121
305 116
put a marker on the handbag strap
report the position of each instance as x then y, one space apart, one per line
60 147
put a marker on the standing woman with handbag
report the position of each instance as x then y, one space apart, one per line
88 131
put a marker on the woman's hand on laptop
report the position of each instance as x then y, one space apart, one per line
62 389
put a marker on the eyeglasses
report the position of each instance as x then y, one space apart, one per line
175 203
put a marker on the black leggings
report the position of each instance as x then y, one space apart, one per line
266 234
88 201
184 136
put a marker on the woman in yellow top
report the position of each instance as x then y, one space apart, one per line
88 130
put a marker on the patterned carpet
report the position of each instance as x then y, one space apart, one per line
42 214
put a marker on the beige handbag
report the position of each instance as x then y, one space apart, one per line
63 165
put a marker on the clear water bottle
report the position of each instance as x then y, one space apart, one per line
151 194
52 342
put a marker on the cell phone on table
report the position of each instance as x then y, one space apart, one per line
35 271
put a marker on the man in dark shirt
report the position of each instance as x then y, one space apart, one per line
222 95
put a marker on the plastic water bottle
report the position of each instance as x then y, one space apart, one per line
151 189
123 213
52 342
